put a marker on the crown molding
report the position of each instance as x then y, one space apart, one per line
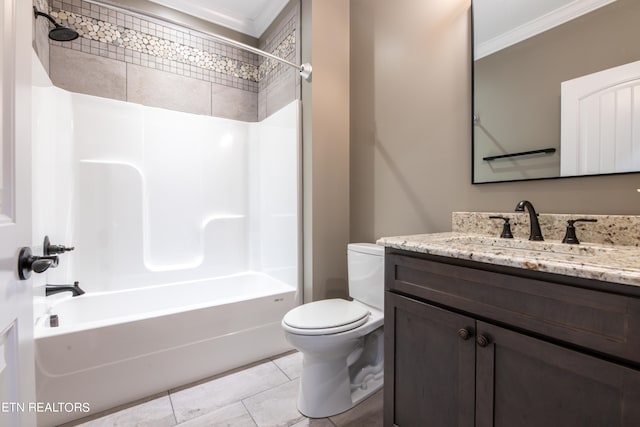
538 25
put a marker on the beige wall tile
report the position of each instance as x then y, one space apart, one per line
262 105
156 88
90 74
233 103
279 93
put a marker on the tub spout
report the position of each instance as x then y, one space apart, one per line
54 289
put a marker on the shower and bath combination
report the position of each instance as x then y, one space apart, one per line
169 274
59 33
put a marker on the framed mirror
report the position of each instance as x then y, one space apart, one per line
556 88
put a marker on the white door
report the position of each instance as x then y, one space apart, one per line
600 126
17 384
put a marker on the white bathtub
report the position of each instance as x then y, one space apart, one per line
115 347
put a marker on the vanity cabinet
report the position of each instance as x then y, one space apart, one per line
473 344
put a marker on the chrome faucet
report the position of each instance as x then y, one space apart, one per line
535 233
54 289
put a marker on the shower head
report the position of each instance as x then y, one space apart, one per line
63 34
59 33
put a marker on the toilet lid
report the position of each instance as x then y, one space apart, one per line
325 314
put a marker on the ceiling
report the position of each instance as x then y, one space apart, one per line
501 23
250 17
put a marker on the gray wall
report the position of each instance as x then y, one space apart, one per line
326 148
410 150
130 57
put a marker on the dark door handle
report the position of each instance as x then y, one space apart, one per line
464 334
27 263
482 341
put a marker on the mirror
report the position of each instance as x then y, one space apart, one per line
523 52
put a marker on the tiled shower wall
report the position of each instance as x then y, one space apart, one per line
281 84
129 57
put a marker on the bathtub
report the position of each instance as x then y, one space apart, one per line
112 348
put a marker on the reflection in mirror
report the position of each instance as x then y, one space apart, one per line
524 51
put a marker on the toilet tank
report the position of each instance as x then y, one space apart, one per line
366 273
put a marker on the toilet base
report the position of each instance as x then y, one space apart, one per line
332 385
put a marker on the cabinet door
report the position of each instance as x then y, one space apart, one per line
526 382
429 365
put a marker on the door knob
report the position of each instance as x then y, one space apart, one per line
27 263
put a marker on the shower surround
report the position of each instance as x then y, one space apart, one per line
186 229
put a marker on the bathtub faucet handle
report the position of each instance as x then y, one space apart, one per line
49 249
28 263
43 263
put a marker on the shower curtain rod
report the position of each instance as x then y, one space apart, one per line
303 69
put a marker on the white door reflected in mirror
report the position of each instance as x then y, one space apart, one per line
600 122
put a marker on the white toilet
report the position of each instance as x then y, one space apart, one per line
342 341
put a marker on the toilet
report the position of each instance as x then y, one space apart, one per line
342 341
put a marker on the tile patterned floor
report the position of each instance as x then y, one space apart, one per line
261 395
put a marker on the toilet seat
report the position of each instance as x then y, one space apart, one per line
325 317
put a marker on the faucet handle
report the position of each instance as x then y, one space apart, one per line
570 235
49 249
506 229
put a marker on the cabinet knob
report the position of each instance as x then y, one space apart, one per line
482 341
464 333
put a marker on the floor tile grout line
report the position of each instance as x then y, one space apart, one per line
264 391
244 398
283 371
248 412
173 409
281 357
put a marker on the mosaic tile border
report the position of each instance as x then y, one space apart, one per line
284 50
270 42
131 38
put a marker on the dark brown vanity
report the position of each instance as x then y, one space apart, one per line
472 343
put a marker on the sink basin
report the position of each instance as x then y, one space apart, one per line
545 247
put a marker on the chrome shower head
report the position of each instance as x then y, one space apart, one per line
59 33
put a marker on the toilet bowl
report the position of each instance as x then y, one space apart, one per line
342 341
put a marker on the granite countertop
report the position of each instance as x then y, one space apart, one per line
609 263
